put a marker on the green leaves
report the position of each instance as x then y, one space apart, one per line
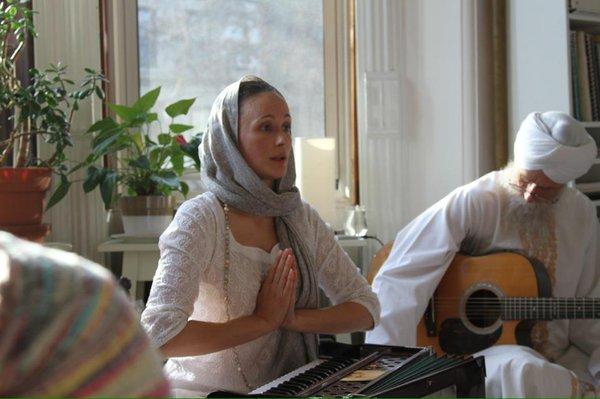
61 190
185 188
142 162
107 186
136 115
147 101
99 92
169 179
180 107
178 129
93 178
191 149
103 125
105 178
125 113
177 161
147 164
102 147
164 139
45 107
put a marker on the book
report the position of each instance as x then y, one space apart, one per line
591 6
590 57
574 75
584 81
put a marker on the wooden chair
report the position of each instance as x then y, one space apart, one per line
378 260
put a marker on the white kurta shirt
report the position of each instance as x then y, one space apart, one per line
188 285
471 219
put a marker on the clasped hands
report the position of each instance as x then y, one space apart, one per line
276 299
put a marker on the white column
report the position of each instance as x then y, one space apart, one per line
420 106
69 33
538 56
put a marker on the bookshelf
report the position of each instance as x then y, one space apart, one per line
591 124
584 68
584 19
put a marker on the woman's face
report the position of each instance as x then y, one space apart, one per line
265 135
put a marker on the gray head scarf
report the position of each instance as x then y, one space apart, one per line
226 174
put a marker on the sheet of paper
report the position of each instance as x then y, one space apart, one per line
363 375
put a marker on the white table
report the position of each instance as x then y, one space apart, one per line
140 260
140 257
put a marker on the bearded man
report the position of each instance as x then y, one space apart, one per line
525 207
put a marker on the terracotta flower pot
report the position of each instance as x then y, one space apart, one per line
31 232
22 192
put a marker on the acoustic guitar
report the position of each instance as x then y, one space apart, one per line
491 300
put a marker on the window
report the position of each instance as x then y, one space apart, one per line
194 48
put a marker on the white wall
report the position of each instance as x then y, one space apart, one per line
538 74
421 106
69 33
422 111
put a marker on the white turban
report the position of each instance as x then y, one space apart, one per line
556 144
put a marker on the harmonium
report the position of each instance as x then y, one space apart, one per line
377 370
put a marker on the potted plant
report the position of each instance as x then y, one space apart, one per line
43 109
149 167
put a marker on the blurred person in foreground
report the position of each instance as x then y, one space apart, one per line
68 330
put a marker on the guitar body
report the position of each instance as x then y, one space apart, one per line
469 285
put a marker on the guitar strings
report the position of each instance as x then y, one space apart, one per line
484 307
515 303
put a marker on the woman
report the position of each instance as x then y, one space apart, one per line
235 299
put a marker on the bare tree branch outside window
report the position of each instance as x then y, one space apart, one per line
193 48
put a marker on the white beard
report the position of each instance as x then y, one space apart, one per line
529 217
534 215
534 223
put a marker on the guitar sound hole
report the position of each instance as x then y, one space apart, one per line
483 308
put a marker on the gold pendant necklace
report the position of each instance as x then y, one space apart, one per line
227 264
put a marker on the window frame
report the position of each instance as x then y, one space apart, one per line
122 61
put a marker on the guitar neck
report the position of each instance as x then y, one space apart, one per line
549 308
